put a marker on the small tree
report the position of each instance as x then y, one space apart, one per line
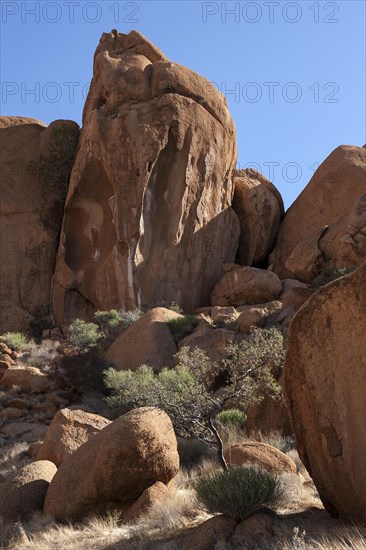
183 393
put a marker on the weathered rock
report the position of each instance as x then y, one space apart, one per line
6 360
68 430
206 535
4 348
156 218
223 314
212 341
325 385
28 380
246 286
268 416
18 429
252 528
255 315
115 466
149 341
317 230
24 493
259 207
29 223
11 412
151 496
262 455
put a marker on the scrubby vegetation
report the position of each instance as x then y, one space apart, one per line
181 326
16 341
84 335
232 417
237 492
186 393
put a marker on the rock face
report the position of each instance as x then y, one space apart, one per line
150 497
28 379
325 226
262 455
325 385
148 341
259 207
246 286
115 466
24 493
255 315
29 223
153 223
68 430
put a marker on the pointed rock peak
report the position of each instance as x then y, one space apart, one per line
133 42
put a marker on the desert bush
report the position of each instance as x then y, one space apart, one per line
130 317
174 307
107 320
76 369
16 341
182 391
84 335
237 492
181 326
232 417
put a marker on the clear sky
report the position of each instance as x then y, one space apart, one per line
293 72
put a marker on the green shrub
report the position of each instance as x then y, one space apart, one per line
181 326
130 317
185 391
174 307
16 341
84 335
232 417
237 492
108 320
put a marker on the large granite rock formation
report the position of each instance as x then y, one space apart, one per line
30 220
326 225
259 207
325 384
148 218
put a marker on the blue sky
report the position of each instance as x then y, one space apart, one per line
293 72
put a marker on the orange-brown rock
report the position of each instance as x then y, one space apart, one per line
245 286
212 341
250 316
149 341
262 455
28 379
325 226
24 493
325 385
68 430
148 217
259 207
206 535
158 492
115 466
268 416
29 223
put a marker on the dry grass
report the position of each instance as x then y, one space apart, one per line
12 458
301 524
39 355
